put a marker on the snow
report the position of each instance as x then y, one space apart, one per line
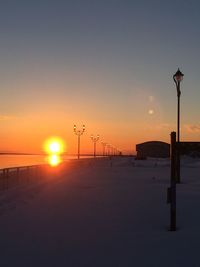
102 212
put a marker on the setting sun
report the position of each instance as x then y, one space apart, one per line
54 145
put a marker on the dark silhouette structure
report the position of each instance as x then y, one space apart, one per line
178 77
190 148
155 149
158 149
171 191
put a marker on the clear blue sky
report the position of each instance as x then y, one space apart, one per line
108 64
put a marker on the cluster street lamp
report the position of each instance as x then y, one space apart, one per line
94 140
79 133
104 147
178 77
115 151
111 150
108 149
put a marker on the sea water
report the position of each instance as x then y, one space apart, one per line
8 161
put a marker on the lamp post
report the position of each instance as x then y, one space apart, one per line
95 140
111 150
108 150
104 147
178 77
114 150
79 133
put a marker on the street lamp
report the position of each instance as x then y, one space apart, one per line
178 77
94 140
108 149
79 133
104 147
111 150
114 150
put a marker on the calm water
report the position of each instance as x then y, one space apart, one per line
7 161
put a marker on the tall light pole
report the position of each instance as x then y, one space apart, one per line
115 151
104 147
108 149
79 133
94 140
111 150
178 77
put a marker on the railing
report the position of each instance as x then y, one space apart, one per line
15 176
18 176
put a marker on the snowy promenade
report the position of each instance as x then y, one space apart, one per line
98 215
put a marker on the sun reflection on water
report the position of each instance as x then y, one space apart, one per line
54 160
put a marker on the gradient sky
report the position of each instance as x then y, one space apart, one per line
106 64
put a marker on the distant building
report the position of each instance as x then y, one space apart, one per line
154 149
158 149
190 148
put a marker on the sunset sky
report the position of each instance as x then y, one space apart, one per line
106 64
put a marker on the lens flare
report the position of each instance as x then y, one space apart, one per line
151 111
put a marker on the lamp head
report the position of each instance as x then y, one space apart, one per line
178 76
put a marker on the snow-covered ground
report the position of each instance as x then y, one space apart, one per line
102 213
